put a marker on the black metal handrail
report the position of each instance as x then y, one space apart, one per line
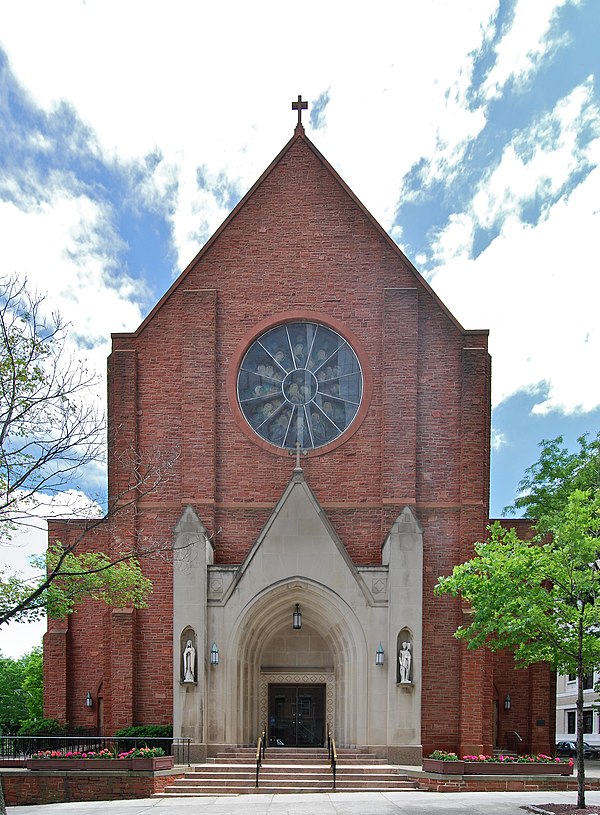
23 747
332 753
261 747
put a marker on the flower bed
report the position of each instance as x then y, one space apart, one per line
449 763
140 758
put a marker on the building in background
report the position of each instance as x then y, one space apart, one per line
566 714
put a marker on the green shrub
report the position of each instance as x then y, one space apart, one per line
146 730
42 727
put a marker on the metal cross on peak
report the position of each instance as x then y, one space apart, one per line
299 451
299 106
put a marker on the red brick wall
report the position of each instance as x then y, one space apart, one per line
28 787
298 244
70 672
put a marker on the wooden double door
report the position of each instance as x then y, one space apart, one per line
296 715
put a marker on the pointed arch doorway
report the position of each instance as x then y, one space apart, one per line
296 715
329 651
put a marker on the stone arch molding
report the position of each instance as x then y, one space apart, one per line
337 623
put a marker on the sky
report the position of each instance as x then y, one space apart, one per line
470 129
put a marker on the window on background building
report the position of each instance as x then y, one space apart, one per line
571 721
572 677
588 721
588 681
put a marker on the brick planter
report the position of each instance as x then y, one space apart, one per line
93 764
514 768
156 763
68 764
436 765
52 787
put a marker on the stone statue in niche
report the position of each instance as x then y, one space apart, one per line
189 662
404 662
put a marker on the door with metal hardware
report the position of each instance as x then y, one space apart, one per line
296 715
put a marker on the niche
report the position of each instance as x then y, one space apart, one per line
404 658
188 661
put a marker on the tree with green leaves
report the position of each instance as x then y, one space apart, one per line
541 598
21 690
13 703
33 683
50 431
21 695
548 483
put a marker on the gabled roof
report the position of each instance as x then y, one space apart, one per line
299 135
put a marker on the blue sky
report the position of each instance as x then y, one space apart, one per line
471 131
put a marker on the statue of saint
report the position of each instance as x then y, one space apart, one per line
404 660
189 660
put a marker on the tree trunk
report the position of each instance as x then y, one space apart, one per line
2 804
580 763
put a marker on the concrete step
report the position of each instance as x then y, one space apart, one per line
282 789
281 756
276 775
233 772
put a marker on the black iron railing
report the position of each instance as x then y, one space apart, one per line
332 754
23 747
261 747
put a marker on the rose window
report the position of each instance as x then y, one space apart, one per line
299 382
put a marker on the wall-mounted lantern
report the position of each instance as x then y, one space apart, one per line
379 655
214 654
297 618
507 702
89 702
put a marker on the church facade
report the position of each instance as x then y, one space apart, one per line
328 423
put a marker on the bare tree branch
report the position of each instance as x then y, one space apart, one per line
50 429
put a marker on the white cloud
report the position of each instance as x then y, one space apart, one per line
524 45
528 272
541 160
212 85
499 439
67 247
536 287
64 244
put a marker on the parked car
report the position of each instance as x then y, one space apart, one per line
569 748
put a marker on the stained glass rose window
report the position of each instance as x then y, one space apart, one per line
300 382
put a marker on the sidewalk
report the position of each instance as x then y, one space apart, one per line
340 803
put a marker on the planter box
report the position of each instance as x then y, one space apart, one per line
156 763
514 768
436 765
94 764
88 764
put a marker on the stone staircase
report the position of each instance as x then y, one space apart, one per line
287 770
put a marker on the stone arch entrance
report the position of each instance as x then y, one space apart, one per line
338 646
